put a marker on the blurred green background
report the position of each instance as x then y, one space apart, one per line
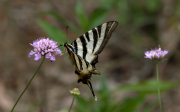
127 82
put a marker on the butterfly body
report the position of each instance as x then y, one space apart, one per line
83 69
83 52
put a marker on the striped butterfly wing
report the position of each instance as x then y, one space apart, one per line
90 44
81 65
83 69
83 52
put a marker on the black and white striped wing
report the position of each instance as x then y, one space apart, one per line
81 65
89 45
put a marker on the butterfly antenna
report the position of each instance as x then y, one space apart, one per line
67 33
90 87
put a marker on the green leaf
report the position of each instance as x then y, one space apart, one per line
81 17
124 12
123 19
97 17
82 104
153 5
177 8
108 4
149 86
150 107
34 106
53 32
104 91
141 19
63 20
131 104
96 107
104 94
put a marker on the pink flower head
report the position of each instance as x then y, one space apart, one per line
156 55
45 47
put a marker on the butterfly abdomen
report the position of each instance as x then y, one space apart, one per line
84 78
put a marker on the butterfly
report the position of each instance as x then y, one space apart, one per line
83 52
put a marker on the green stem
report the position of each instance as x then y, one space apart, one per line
71 104
159 94
27 85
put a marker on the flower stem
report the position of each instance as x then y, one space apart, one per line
159 94
27 85
71 104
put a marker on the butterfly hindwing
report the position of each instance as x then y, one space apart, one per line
81 65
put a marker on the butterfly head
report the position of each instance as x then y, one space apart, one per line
63 44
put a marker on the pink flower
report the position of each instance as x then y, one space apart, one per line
156 55
45 47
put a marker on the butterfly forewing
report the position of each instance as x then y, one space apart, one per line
90 44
